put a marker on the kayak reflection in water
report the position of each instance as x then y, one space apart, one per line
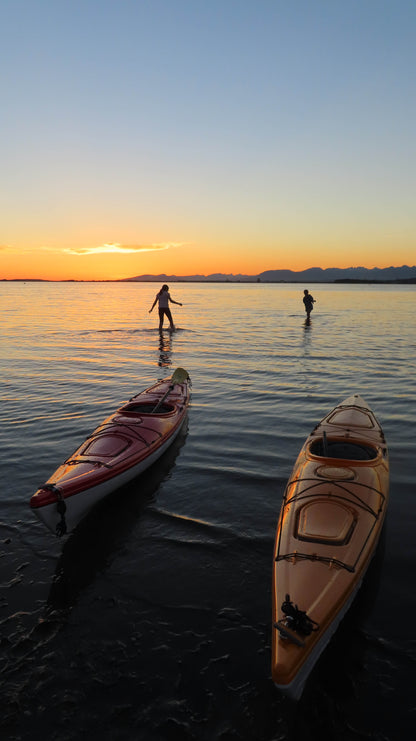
309 301
164 297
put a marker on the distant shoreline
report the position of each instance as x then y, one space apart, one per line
345 281
403 274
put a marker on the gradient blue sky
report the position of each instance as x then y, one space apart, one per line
196 136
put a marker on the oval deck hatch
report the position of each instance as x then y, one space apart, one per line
325 522
351 418
106 445
335 472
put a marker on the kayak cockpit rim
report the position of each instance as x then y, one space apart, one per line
340 448
146 408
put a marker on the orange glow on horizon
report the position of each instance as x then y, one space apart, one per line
115 261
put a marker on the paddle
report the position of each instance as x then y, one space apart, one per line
180 376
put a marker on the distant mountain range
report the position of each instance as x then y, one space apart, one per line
404 274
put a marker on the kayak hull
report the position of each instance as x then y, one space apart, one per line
123 446
329 525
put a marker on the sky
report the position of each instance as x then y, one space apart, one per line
201 136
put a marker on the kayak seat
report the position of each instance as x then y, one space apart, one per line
344 450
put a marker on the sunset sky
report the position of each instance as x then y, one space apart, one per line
202 136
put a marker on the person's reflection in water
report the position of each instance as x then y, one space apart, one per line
165 349
307 335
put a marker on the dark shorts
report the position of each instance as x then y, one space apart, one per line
167 312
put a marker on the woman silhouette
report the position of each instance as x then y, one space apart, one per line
164 297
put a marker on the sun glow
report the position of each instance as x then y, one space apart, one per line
118 249
117 261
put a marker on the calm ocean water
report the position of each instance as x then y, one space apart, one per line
152 621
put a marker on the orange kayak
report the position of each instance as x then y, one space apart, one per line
329 525
122 447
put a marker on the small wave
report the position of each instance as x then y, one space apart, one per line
208 532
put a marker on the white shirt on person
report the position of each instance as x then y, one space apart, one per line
163 298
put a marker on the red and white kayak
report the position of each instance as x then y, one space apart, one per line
122 447
330 522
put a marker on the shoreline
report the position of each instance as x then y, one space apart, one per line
337 281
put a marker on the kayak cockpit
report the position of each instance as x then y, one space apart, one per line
342 449
141 407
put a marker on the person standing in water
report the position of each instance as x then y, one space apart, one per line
164 297
309 301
